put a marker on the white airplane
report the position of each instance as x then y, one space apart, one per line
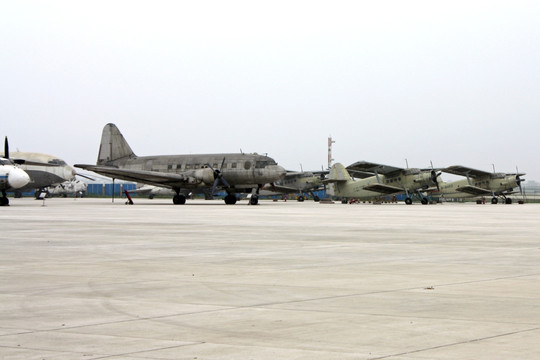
44 170
377 180
480 183
12 177
151 190
74 186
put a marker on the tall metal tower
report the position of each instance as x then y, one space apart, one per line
330 159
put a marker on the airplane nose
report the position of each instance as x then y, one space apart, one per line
69 173
281 171
17 178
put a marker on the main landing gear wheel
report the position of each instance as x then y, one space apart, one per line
408 201
254 200
508 201
179 199
494 201
301 198
230 199
4 201
424 201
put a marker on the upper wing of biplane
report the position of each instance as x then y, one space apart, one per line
364 169
466 171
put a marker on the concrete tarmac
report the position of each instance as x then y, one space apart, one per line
88 279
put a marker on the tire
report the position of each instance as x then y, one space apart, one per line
179 199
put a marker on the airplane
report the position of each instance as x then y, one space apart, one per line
480 183
44 171
299 182
376 180
12 177
234 173
74 186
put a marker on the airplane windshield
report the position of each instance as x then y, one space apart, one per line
58 162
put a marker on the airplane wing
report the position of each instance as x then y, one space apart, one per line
384 189
473 190
363 169
281 188
149 177
466 171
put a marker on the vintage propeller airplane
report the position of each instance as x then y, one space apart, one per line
235 173
376 180
12 177
297 182
480 183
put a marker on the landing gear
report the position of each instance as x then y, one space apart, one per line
230 199
254 200
179 199
508 201
301 198
408 200
424 201
494 201
4 201
316 198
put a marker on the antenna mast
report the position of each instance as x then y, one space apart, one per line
330 159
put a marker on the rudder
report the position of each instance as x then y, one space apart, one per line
338 173
113 146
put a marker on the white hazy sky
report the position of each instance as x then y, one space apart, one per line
452 82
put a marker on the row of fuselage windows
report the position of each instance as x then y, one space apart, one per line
231 165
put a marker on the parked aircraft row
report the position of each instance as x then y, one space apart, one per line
369 181
249 173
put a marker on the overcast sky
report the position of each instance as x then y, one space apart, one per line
450 82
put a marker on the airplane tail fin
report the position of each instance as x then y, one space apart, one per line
113 146
338 173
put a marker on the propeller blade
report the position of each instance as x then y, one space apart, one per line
518 181
6 148
434 177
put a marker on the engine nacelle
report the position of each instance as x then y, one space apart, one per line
205 175
13 177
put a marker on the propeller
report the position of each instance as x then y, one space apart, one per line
518 181
218 176
434 176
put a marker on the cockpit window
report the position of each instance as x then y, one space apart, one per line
57 162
